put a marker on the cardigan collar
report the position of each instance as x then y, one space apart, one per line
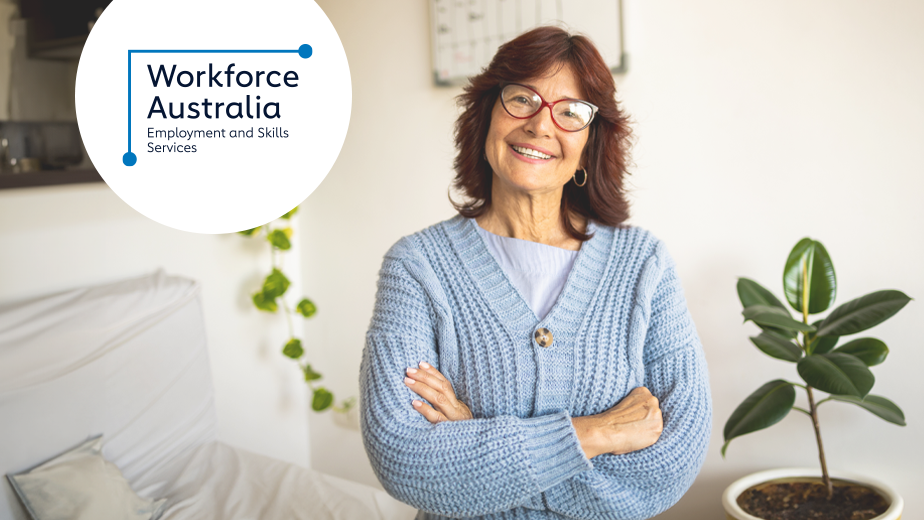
505 301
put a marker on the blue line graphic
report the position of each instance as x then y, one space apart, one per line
129 159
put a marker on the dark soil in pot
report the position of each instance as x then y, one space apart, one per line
807 499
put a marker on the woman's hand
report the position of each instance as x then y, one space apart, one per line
631 425
427 382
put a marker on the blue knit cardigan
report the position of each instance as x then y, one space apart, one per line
620 322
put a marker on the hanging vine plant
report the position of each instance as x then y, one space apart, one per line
272 297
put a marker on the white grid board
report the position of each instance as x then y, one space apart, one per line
465 34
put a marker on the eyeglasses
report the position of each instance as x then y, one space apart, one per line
522 102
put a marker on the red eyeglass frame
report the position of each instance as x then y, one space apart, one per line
547 104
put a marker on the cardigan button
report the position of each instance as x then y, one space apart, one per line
543 337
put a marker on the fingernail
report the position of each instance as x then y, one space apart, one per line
417 404
408 380
423 364
412 371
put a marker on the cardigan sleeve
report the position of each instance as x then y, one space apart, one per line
644 483
455 469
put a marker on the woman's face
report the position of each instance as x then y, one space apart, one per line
533 155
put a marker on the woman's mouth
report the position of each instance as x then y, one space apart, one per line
530 153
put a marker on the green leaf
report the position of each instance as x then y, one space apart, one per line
248 232
280 239
821 278
775 346
820 345
840 374
322 399
878 405
824 344
306 308
870 351
291 212
765 407
774 317
293 348
264 302
789 334
310 374
752 293
275 285
863 313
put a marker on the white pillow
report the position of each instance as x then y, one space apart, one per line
81 485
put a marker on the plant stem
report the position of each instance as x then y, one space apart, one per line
808 389
272 247
803 410
288 313
805 293
821 448
805 308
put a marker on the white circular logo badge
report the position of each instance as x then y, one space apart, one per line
213 116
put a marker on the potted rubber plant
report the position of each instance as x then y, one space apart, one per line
828 359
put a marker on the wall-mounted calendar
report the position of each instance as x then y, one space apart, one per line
466 33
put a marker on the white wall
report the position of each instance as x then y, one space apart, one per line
763 122
758 123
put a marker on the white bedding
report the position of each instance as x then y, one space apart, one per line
222 482
128 360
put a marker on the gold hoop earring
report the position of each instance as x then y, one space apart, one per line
574 177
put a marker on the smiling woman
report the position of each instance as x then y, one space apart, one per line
533 357
572 67
528 151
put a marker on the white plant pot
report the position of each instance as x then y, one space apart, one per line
734 512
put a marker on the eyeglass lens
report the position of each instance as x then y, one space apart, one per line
521 102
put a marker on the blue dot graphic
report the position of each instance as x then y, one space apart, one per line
304 51
129 159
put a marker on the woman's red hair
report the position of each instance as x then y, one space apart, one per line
538 53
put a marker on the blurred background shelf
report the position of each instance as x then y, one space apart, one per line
67 49
47 178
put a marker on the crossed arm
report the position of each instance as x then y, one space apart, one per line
630 425
469 467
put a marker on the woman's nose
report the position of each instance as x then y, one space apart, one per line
541 124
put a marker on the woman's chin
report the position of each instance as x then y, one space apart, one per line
531 185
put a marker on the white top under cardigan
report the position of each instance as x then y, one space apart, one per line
537 271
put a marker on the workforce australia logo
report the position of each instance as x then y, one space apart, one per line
215 104
233 110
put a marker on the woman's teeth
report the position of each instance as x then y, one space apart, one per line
529 152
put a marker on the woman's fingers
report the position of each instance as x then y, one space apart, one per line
422 386
431 377
433 372
428 412
430 384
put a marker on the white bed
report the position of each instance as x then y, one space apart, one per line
128 360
